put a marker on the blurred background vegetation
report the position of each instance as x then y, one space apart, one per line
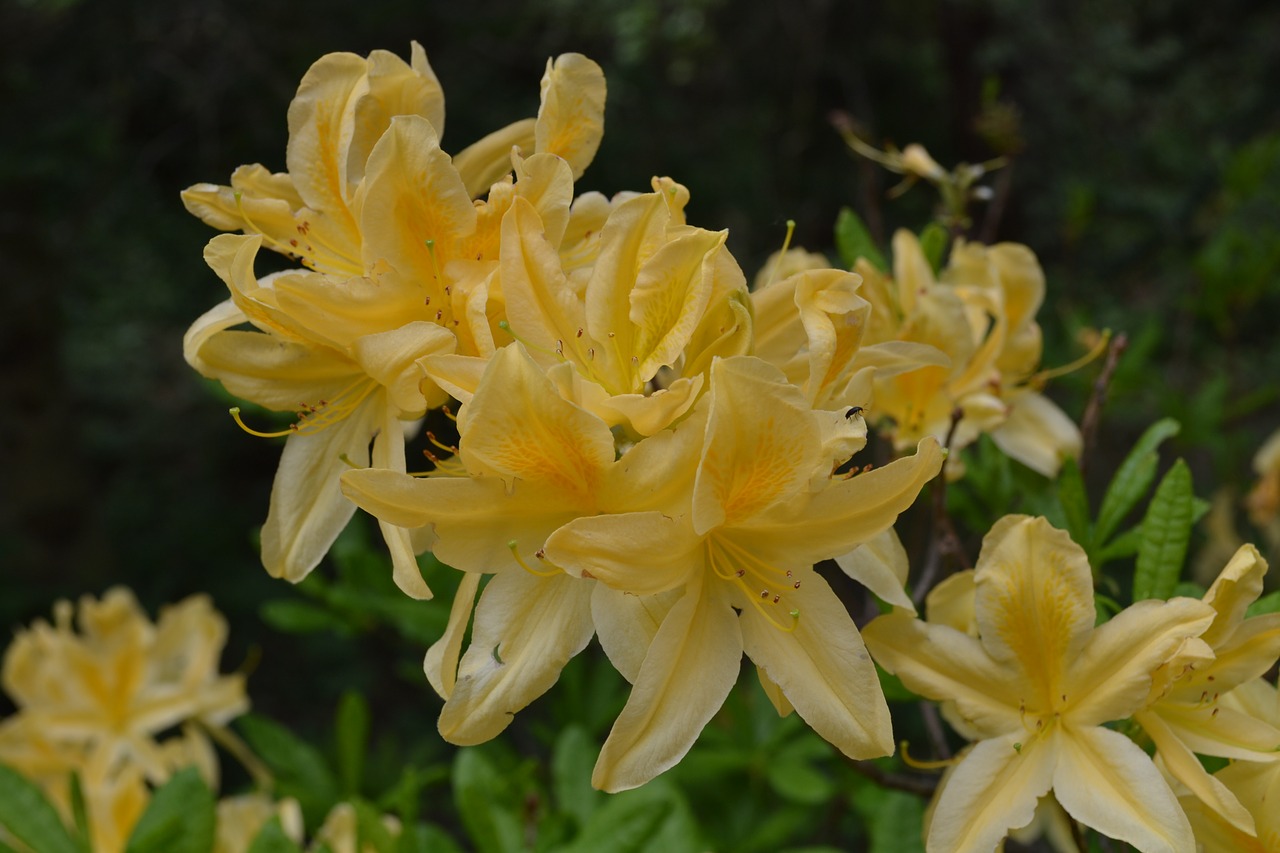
1145 139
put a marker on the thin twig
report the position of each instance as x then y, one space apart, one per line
995 208
945 542
933 726
897 781
1093 410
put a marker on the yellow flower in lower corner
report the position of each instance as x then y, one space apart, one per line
1035 688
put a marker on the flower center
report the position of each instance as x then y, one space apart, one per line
764 585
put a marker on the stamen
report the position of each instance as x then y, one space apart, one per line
1038 379
448 448
448 413
515 553
786 244
531 347
917 764
235 413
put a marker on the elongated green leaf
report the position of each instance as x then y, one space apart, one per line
30 817
933 242
1166 529
1132 479
299 769
301 617
79 811
351 731
1075 502
895 825
624 825
272 839
179 819
853 241
1124 545
571 764
490 818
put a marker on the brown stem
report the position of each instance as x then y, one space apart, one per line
945 541
1093 410
897 781
933 725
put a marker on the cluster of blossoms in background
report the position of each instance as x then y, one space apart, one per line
653 454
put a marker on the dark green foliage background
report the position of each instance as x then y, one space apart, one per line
1147 179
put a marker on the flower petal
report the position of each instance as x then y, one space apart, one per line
642 553
1112 677
1106 782
994 789
692 664
308 509
441 661
824 670
571 118
526 629
1183 765
626 624
880 564
940 662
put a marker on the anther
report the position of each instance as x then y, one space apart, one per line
439 316
591 353
515 553
579 332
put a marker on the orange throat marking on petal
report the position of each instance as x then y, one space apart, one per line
765 586
318 416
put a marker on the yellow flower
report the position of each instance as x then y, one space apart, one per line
350 375
96 702
638 313
1185 716
342 109
730 569
1035 688
529 461
1255 785
981 314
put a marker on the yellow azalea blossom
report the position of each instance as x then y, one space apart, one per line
96 701
351 382
241 818
1185 716
731 570
122 680
981 314
812 324
343 107
1035 688
114 797
1255 785
530 462
638 314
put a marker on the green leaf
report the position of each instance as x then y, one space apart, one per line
30 817
572 761
423 838
272 839
1267 604
351 731
1166 529
1132 479
623 825
300 771
1075 502
933 242
179 819
79 810
895 826
370 829
291 616
800 782
853 241
478 789
1124 545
